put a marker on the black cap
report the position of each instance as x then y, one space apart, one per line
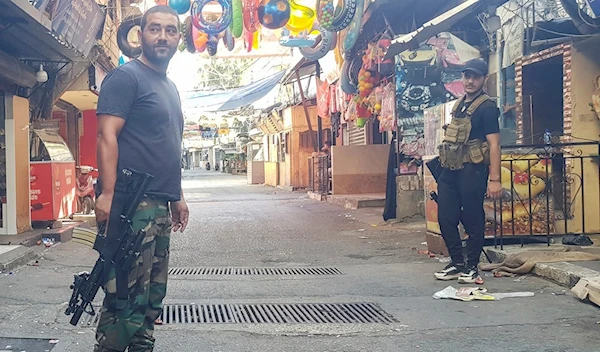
477 66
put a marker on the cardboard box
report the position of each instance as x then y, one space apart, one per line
588 289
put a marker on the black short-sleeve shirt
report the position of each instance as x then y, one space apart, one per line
151 139
484 120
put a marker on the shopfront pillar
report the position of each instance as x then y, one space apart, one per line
16 212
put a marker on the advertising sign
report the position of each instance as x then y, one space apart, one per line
77 22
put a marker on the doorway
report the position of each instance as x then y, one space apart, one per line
543 99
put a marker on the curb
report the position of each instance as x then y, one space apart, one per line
17 257
563 273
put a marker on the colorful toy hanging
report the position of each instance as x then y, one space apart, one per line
336 19
274 14
180 6
327 43
237 21
212 27
301 18
354 28
245 18
250 15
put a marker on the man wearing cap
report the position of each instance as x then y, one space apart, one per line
469 155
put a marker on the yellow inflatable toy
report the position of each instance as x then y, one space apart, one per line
301 18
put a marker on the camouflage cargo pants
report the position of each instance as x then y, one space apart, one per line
133 326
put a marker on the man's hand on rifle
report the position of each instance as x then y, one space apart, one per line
102 207
179 215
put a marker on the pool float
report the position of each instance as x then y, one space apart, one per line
250 15
301 19
327 43
237 21
354 28
212 27
200 39
211 46
228 39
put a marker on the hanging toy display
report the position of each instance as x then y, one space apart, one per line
336 19
180 6
250 15
212 27
274 14
237 21
301 41
327 43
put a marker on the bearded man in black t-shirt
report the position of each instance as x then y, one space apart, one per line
469 155
140 126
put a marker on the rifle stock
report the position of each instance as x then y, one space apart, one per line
116 243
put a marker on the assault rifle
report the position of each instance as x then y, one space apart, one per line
118 246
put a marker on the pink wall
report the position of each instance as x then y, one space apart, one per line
87 140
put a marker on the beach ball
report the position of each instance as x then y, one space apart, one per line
274 14
181 6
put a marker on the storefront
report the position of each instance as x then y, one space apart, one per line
52 177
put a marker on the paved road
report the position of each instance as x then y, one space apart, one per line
236 225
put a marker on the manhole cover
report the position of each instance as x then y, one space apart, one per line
254 271
299 313
10 344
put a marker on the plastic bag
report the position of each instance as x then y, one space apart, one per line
388 109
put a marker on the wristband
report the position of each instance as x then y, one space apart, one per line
494 180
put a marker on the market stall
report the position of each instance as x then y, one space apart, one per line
52 177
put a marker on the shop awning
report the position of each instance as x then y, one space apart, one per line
235 98
437 25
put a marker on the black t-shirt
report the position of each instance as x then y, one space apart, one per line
484 120
150 141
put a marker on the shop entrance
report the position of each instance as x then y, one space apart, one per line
542 99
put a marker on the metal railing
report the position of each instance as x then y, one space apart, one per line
548 190
318 175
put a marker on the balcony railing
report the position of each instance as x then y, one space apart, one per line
549 190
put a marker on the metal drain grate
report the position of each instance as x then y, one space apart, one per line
349 313
304 313
254 271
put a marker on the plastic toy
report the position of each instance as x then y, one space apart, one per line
274 14
181 6
327 43
212 27
250 15
237 21
336 19
301 18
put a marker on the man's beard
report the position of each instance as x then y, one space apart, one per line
151 55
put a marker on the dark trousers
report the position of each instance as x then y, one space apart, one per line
461 194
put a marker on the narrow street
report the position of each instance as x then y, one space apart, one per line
234 225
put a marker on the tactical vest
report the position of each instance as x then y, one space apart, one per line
456 148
